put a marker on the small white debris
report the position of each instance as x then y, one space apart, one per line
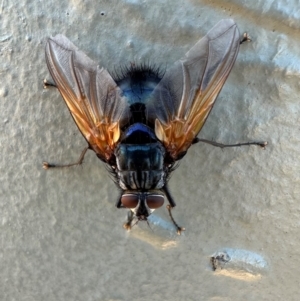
238 263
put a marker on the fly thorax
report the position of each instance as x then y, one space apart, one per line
140 166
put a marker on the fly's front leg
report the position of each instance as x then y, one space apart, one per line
119 203
47 165
130 217
170 206
179 229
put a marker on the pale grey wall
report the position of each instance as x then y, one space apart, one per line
60 234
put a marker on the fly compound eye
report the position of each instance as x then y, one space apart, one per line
155 201
130 201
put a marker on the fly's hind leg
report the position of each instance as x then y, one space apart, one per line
245 38
47 165
48 84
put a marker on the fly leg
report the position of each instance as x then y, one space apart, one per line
262 144
47 165
245 38
170 206
179 229
48 84
130 217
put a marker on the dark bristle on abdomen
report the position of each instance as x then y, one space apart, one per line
137 83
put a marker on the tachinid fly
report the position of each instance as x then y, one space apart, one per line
141 123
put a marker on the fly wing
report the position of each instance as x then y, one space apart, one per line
92 96
183 99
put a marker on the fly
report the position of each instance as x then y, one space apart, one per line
140 124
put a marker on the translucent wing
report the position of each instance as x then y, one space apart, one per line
183 99
90 93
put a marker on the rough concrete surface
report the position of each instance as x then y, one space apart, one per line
61 237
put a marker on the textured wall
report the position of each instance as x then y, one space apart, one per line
61 236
